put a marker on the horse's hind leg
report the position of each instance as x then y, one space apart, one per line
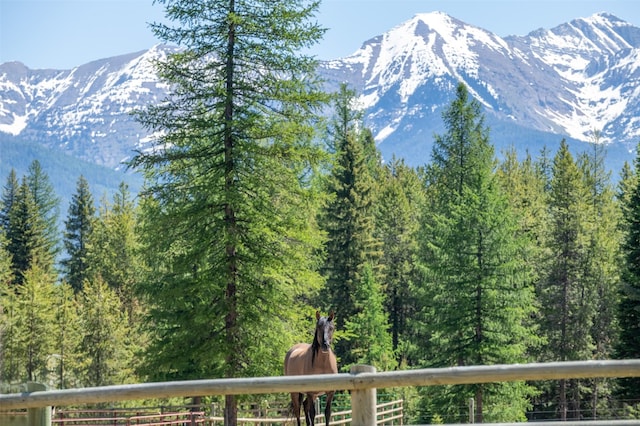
327 408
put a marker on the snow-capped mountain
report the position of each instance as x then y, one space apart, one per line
85 111
563 82
568 81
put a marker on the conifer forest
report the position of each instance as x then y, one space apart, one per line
260 208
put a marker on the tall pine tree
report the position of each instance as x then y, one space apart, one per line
27 235
397 224
9 194
601 267
78 229
348 220
628 312
47 204
477 293
228 207
566 295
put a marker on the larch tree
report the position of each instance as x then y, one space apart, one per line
34 320
115 252
6 297
228 209
104 354
368 329
66 337
476 291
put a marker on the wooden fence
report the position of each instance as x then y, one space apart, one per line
362 381
387 413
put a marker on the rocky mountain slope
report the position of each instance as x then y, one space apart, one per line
562 82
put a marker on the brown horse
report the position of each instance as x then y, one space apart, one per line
315 358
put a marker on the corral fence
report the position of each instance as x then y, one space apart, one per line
387 413
127 418
362 381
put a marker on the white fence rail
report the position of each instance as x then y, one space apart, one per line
362 381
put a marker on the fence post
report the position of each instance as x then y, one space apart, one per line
472 410
363 402
38 416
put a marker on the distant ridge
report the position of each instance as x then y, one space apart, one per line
536 89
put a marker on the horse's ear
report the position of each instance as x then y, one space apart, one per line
331 316
317 315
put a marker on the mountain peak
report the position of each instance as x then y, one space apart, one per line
564 81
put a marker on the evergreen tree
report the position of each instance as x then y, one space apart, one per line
349 220
5 263
567 296
27 235
601 266
47 205
398 219
625 190
628 346
78 229
368 330
9 193
477 292
229 209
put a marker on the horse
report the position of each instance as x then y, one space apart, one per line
314 358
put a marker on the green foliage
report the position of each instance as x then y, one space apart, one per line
5 262
367 330
9 194
34 322
105 346
397 224
26 234
47 204
114 253
66 339
628 346
566 296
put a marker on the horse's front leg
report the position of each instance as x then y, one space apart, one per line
296 400
327 408
310 410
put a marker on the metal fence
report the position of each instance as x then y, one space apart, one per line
362 381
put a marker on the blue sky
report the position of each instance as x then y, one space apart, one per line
62 34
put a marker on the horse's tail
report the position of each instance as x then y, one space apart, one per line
289 412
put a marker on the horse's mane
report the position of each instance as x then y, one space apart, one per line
315 346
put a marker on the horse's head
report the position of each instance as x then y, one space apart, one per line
324 332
